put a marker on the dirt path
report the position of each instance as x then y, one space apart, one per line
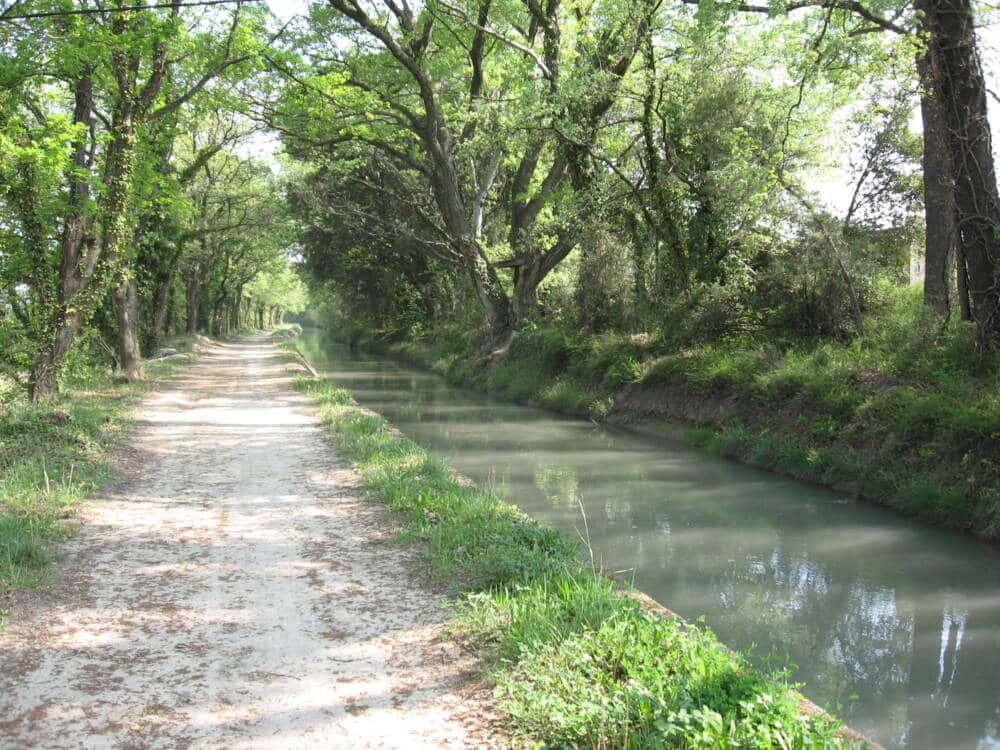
237 590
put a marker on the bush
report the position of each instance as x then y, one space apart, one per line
604 288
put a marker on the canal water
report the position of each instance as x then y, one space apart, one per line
892 625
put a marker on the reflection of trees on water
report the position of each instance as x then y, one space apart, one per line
847 639
559 485
860 642
952 630
930 671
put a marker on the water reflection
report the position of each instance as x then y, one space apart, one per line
893 625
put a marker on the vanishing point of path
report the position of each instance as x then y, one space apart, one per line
236 590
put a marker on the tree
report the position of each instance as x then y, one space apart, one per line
133 111
445 126
942 264
124 69
163 229
238 229
953 108
961 90
360 241
274 292
706 144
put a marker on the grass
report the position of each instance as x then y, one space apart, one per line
575 660
908 414
51 457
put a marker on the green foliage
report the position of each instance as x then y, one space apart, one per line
382 280
576 661
605 684
105 120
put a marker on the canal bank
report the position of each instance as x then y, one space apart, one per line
894 622
575 659
917 431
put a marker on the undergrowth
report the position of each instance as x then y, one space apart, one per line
576 661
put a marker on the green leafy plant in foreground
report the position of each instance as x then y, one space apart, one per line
576 661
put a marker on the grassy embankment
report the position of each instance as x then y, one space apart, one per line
907 414
576 661
53 455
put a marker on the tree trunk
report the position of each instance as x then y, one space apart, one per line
168 322
525 298
496 305
161 260
119 166
977 205
161 305
939 189
216 321
638 261
127 311
44 377
964 303
79 253
193 299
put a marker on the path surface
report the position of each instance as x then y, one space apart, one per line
236 590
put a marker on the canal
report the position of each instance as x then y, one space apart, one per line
892 625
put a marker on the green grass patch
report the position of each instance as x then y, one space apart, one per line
575 660
52 456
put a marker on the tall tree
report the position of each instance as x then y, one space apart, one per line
945 49
941 262
134 115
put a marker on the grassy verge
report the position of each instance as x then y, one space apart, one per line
576 661
51 457
908 414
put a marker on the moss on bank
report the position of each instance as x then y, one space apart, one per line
52 456
576 661
907 415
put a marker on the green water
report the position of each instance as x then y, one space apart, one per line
893 625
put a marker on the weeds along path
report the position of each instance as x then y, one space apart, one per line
236 590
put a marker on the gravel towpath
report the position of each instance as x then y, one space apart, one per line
236 590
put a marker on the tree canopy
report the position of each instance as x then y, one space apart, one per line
497 161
